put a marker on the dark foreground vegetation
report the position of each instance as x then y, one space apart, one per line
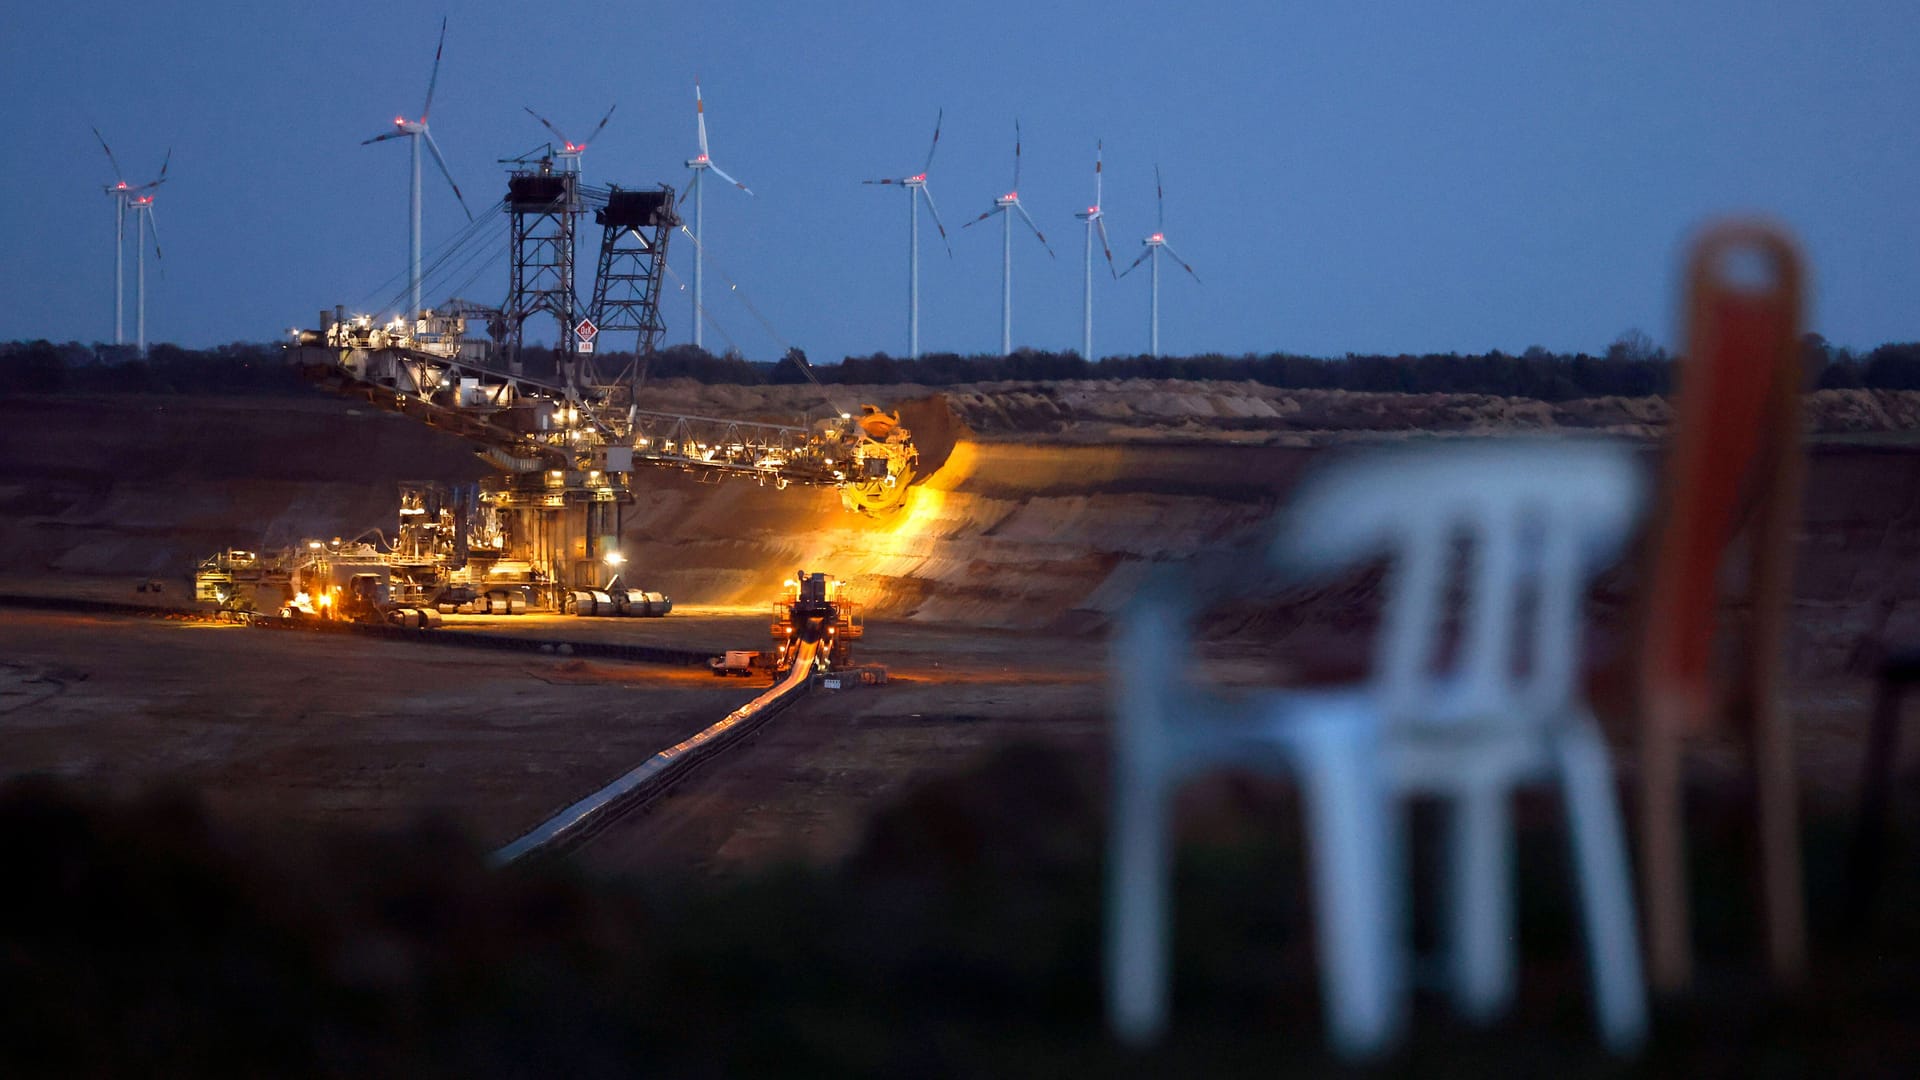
143 937
1631 367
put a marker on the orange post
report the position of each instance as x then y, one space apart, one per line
1734 465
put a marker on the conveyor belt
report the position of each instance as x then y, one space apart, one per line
652 777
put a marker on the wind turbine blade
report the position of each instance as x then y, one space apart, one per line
1101 224
700 116
1181 261
382 137
446 172
115 162
595 133
928 192
1159 202
1099 151
939 119
981 218
155 230
688 190
729 179
435 77
1028 218
888 180
545 123
1016 158
158 180
1137 262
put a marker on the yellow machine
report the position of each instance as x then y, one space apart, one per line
813 611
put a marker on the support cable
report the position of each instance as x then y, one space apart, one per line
733 287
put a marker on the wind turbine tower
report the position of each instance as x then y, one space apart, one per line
416 132
1154 244
125 195
1096 220
1006 206
917 188
143 224
700 164
569 153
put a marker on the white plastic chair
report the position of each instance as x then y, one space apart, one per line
1538 518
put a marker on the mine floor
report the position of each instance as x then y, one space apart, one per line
345 730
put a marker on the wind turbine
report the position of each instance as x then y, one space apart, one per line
416 131
1154 245
1095 218
916 186
700 164
570 151
123 195
1001 206
143 216
138 198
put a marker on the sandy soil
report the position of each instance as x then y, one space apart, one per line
325 728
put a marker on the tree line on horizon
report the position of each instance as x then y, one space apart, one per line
1633 366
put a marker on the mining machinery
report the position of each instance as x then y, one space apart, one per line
449 555
813 611
566 450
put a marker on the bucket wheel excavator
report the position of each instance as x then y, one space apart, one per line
583 420
528 427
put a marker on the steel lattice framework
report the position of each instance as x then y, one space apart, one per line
635 227
542 205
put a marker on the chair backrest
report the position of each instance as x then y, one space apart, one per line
1734 448
1537 517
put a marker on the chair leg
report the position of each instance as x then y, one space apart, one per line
1355 844
1606 889
1139 873
1664 845
1782 881
1480 952
1869 829
1140 840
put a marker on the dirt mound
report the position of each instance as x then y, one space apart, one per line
1161 410
935 426
149 485
1000 535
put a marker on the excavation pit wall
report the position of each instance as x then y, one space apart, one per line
1049 529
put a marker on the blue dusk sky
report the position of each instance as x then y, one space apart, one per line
1352 177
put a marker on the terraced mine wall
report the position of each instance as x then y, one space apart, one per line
1012 530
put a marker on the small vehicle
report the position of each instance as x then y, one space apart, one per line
739 662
